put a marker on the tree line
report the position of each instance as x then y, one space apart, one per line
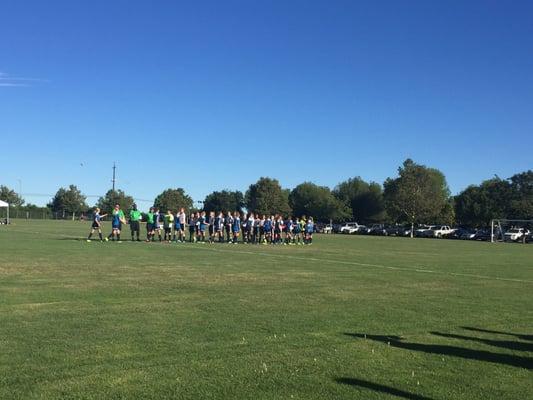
417 194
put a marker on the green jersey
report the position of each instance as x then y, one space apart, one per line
135 215
150 218
169 219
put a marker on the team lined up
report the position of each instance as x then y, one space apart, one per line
203 227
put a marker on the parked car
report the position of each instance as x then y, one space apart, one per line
424 231
465 234
327 229
482 234
515 234
440 231
350 227
377 229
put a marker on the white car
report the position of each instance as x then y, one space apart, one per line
440 231
350 227
328 229
515 234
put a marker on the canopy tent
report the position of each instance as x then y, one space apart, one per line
2 205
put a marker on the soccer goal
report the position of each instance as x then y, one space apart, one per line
511 230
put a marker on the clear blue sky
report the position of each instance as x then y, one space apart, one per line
214 94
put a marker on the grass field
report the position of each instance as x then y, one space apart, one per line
350 317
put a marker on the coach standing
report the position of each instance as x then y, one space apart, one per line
135 219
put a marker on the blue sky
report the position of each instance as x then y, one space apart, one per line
209 95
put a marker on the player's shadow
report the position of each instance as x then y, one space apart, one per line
376 387
516 335
454 351
505 344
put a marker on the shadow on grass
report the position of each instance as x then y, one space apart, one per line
454 351
516 335
380 388
506 344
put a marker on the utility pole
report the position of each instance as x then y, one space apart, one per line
113 180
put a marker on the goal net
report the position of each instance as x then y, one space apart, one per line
510 230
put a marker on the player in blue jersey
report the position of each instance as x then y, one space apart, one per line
219 227
96 225
309 229
267 227
118 219
202 225
236 226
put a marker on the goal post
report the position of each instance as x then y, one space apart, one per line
499 226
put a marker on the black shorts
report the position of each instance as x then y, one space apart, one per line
134 226
167 229
95 226
149 227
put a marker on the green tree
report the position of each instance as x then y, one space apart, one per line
10 196
68 200
112 197
478 205
418 195
521 196
365 200
317 201
225 200
173 199
267 197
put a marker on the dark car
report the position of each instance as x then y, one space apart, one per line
377 229
482 234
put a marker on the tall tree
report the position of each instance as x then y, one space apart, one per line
10 196
112 197
478 205
418 195
317 201
68 200
365 200
521 204
225 200
267 197
173 199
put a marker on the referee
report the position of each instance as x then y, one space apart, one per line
135 219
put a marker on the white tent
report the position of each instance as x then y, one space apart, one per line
4 204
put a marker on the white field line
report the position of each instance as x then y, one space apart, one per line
425 271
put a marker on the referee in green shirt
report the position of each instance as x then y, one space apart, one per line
135 222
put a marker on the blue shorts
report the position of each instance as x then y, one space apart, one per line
202 228
116 226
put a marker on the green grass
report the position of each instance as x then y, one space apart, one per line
442 319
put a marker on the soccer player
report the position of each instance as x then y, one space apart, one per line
309 229
296 237
150 224
192 228
219 227
167 225
288 231
135 222
158 224
268 230
97 224
182 218
228 222
116 222
202 224
236 227
177 227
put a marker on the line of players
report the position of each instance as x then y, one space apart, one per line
203 227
